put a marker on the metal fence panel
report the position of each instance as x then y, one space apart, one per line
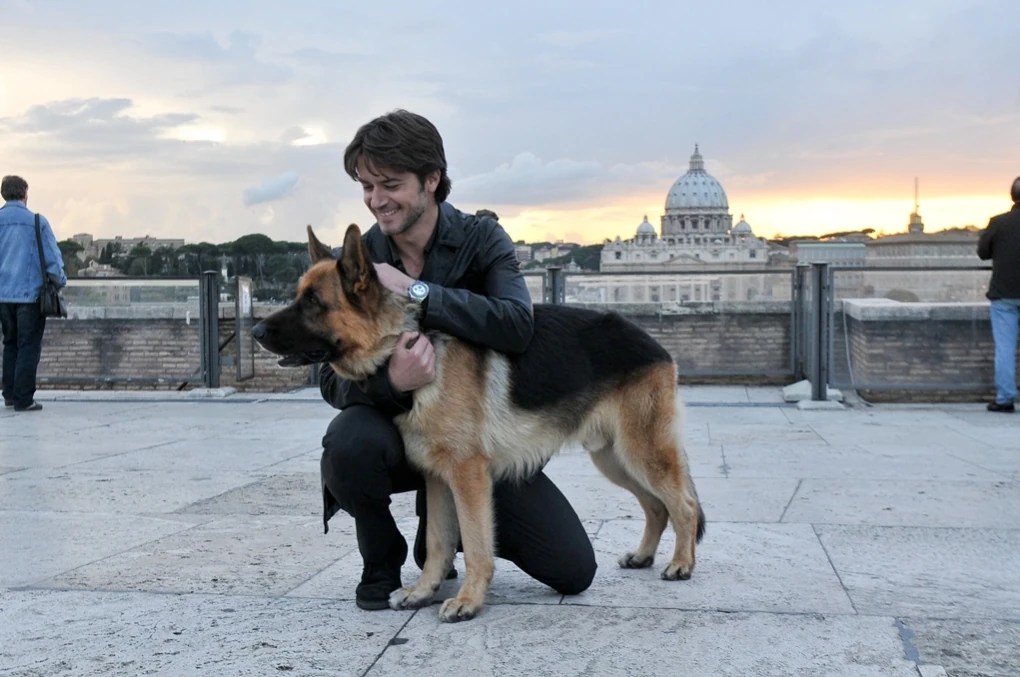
244 315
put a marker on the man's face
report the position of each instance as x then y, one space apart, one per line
396 199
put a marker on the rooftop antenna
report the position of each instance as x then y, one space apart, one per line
917 206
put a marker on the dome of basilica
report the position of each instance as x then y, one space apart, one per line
645 228
697 189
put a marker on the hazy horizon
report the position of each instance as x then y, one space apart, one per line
209 121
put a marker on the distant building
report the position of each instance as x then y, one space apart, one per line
553 251
92 248
523 252
696 230
96 269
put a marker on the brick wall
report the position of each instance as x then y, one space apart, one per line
137 349
723 342
129 353
938 352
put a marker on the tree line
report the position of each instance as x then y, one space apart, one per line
273 266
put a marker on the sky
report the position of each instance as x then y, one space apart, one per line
571 120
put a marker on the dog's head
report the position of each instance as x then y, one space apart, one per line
341 313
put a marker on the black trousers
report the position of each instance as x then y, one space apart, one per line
363 464
23 327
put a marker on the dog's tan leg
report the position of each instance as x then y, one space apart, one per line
683 513
656 515
650 447
472 492
440 547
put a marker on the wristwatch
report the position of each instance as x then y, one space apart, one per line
418 292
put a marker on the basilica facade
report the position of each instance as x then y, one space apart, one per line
696 230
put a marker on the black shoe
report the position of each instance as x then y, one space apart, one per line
999 406
379 579
8 403
35 406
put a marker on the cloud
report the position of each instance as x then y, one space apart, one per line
270 189
228 110
294 134
92 129
529 180
237 62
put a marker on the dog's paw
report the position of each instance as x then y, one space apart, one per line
634 561
410 598
677 571
455 610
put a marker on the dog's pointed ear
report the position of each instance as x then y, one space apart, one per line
357 274
316 250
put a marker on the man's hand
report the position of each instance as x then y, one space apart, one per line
393 279
413 363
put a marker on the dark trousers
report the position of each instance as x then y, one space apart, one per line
363 464
23 327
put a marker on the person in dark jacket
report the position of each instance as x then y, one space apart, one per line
21 281
463 270
1000 242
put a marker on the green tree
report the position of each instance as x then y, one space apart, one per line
68 252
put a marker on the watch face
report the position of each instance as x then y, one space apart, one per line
419 290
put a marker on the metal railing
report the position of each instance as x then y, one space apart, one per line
835 326
816 296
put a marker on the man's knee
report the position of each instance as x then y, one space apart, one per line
576 574
357 449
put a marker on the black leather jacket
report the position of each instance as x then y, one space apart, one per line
476 292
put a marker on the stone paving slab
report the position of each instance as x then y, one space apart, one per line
941 573
202 454
966 648
920 503
70 490
919 433
744 567
56 453
88 634
560 641
1001 460
774 435
232 555
809 460
37 545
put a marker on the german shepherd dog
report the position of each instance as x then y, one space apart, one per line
588 377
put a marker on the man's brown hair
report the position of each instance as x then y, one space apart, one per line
1015 190
403 141
14 188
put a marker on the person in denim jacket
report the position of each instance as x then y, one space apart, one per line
20 283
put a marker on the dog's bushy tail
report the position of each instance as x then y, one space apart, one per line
679 416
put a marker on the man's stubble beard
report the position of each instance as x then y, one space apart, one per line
416 213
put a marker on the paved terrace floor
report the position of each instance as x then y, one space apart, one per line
178 537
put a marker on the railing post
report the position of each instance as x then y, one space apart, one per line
820 331
209 310
798 320
555 276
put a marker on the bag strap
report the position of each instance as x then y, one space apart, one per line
38 241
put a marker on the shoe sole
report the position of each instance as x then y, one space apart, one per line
372 605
